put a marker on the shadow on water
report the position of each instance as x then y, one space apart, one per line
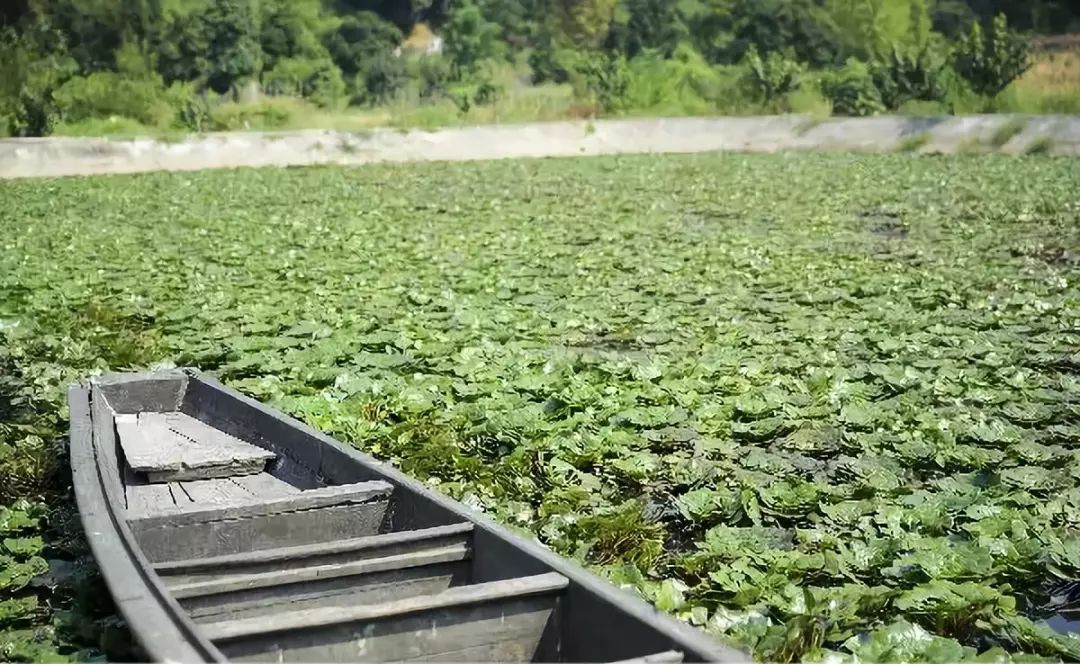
1061 608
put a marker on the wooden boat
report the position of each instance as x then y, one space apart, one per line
227 531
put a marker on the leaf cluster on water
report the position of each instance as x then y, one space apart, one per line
727 382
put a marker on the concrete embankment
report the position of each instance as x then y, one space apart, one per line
57 156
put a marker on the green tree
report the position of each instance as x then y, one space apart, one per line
360 38
470 38
647 25
234 54
870 29
990 60
34 66
402 13
289 30
724 30
218 46
584 23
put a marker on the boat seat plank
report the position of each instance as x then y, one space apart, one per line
668 657
326 514
247 506
365 581
307 555
265 485
503 621
282 577
223 491
146 498
176 446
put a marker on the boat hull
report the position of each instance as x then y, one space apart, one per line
586 619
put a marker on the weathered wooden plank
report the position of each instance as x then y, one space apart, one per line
375 580
163 540
143 499
253 506
159 391
669 657
341 592
265 485
503 632
502 622
284 577
481 593
175 446
307 555
222 491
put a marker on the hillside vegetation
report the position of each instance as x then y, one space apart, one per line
137 66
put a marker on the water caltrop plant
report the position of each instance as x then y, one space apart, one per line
826 407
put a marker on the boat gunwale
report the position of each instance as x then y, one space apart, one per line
98 511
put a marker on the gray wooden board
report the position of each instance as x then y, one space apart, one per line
145 499
175 446
502 629
343 591
223 491
251 506
342 551
506 632
301 575
160 391
166 541
265 485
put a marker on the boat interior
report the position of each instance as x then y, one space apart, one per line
279 546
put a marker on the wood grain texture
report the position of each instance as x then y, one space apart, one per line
300 575
265 485
501 622
166 541
307 555
252 506
175 446
474 594
319 592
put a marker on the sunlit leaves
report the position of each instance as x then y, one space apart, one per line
712 377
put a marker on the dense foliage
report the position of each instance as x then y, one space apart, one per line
809 418
172 63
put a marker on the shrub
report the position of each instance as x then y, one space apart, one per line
601 78
551 64
192 109
105 94
380 79
808 100
316 79
772 77
433 75
266 114
990 61
908 76
851 90
682 84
